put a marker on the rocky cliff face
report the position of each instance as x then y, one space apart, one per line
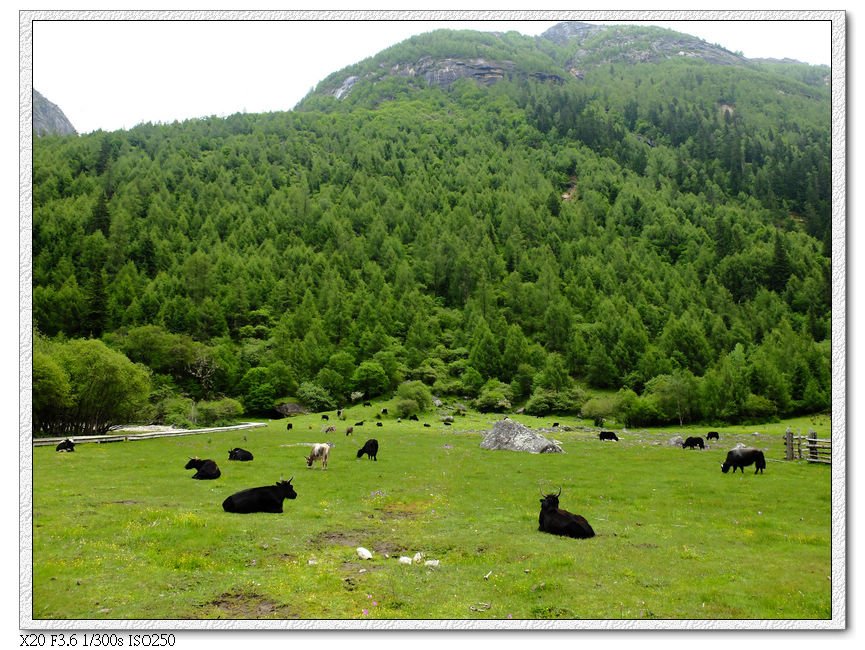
48 119
625 44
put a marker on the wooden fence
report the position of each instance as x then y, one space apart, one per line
124 437
810 447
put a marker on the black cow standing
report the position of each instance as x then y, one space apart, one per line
608 435
693 442
712 435
239 454
370 448
289 426
556 521
66 445
268 498
206 469
742 457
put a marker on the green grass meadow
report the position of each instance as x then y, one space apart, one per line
122 532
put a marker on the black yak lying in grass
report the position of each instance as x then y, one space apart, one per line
268 498
207 469
556 521
239 454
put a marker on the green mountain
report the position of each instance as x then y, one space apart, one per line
620 222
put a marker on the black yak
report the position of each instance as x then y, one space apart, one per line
260 499
741 457
693 442
370 448
206 469
712 435
608 435
66 445
239 454
556 521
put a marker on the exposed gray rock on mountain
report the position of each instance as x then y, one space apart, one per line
48 119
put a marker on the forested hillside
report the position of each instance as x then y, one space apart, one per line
646 241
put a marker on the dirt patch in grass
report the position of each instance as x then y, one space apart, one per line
243 605
357 538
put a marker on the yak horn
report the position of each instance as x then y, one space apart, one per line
559 493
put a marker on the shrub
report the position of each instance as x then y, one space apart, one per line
471 381
544 401
176 412
494 396
417 392
315 397
83 386
219 412
406 407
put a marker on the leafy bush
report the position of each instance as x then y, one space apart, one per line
416 391
176 412
494 396
406 407
471 381
84 387
544 401
219 412
315 397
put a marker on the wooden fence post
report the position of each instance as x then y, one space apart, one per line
812 444
788 443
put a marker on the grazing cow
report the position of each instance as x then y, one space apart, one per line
447 424
555 424
608 435
324 417
349 431
741 457
712 435
370 448
379 424
206 469
427 424
413 418
384 411
289 426
359 424
367 403
239 454
556 521
66 445
330 429
693 442
320 451
260 499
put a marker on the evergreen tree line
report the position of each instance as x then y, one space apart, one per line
523 244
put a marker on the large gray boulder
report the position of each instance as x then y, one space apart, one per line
513 436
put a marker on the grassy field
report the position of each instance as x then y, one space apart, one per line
121 531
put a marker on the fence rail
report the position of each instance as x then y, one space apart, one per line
810 448
123 437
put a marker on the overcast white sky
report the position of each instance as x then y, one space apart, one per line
114 74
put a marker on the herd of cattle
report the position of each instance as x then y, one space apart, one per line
552 519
